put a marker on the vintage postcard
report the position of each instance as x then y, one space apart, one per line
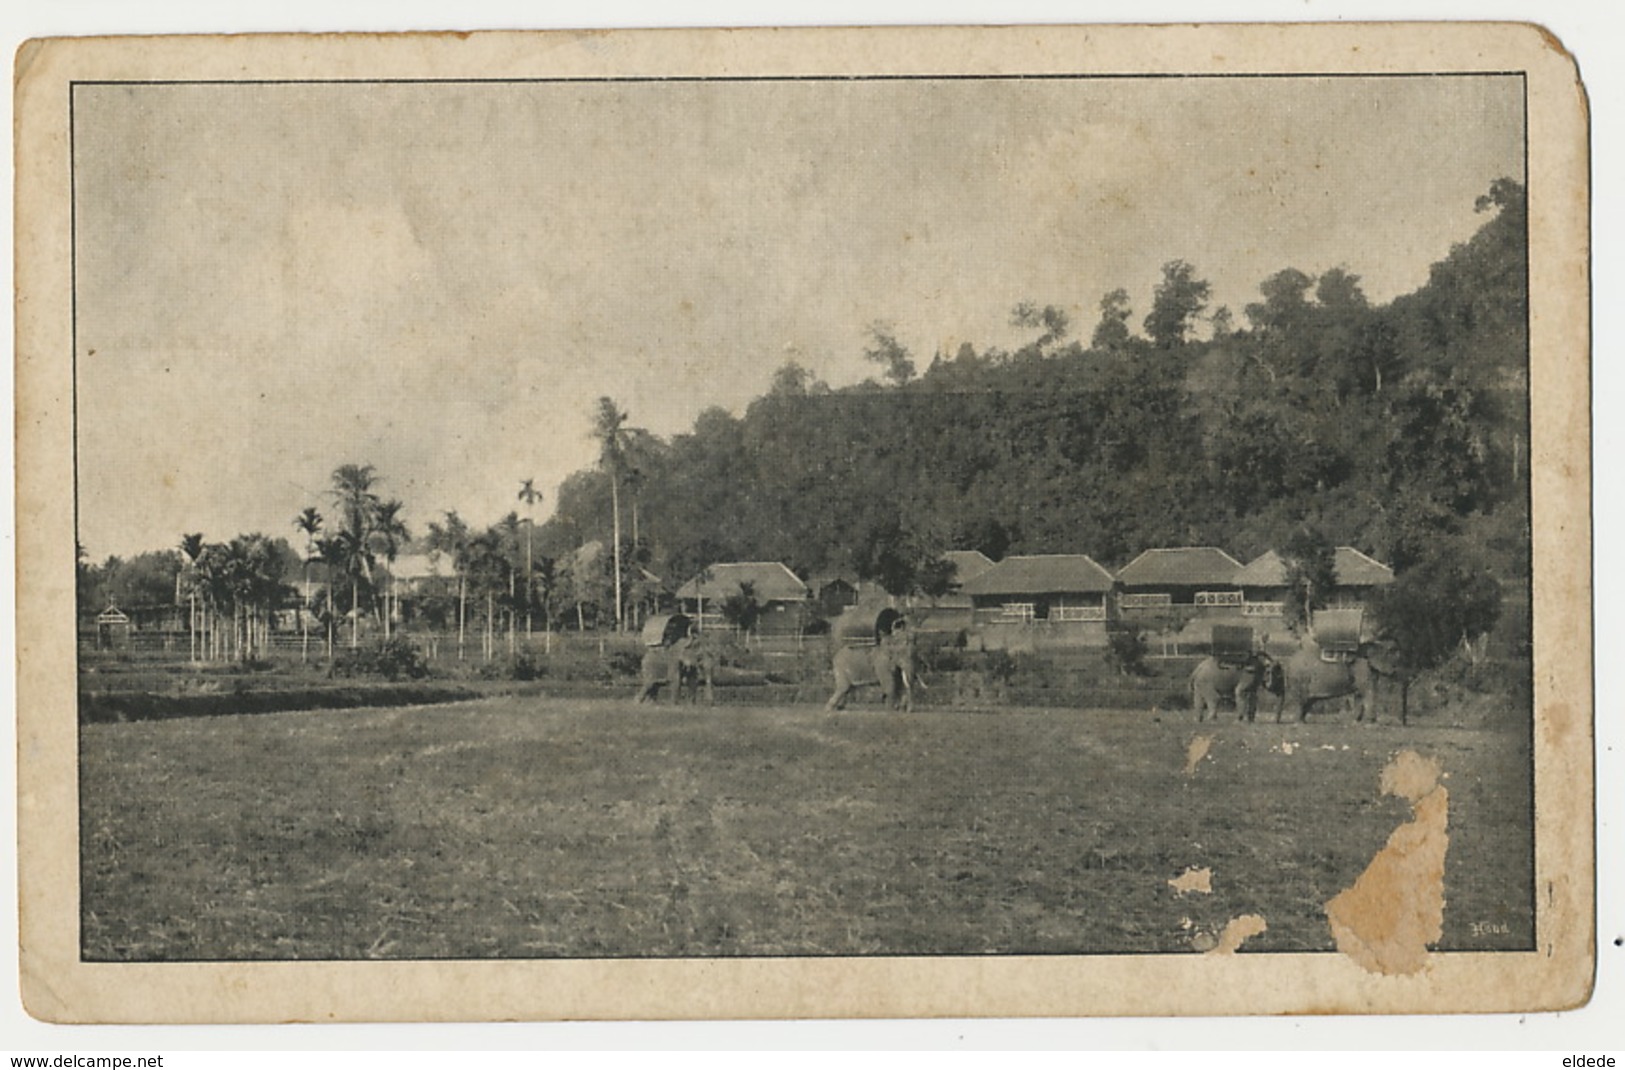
814 523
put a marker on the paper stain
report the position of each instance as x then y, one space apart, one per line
1196 752
1287 748
1195 880
1237 931
1387 919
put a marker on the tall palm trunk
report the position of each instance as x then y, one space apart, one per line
462 613
615 510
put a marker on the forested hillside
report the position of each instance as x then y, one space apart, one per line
1396 428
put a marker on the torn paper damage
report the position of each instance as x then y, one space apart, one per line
1395 910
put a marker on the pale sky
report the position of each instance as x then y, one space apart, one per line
440 279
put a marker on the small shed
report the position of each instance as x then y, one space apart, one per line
112 629
831 593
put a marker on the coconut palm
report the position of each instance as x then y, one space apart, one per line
309 522
215 577
609 428
334 552
452 539
530 496
508 533
353 491
191 550
255 576
388 535
488 568
639 450
357 502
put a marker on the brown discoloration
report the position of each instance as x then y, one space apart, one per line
1195 880
1395 909
1552 42
1237 931
1194 753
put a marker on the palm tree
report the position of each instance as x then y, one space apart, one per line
530 496
508 529
358 510
255 584
352 490
388 535
214 579
486 564
609 428
191 550
332 552
309 522
452 538
639 450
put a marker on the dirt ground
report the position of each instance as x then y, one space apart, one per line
533 827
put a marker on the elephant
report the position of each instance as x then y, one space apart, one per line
682 665
1311 677
1213 681
890 663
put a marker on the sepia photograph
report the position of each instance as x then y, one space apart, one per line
635 506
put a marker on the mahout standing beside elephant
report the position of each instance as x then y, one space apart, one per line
891 663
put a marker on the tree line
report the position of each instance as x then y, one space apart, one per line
1400 428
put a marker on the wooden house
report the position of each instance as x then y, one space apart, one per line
1183 581
1264 591
783 600
1058 596
953 611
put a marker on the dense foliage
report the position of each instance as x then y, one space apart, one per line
1401 429
1395 428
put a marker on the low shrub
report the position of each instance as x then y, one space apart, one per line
1126 650
525 666
520 666
622 663
393 659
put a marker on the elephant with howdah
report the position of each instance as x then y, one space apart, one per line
891 664
1311 677
1214 680
683 665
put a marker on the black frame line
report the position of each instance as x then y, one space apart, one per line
74 84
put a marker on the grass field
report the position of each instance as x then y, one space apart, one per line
536 827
